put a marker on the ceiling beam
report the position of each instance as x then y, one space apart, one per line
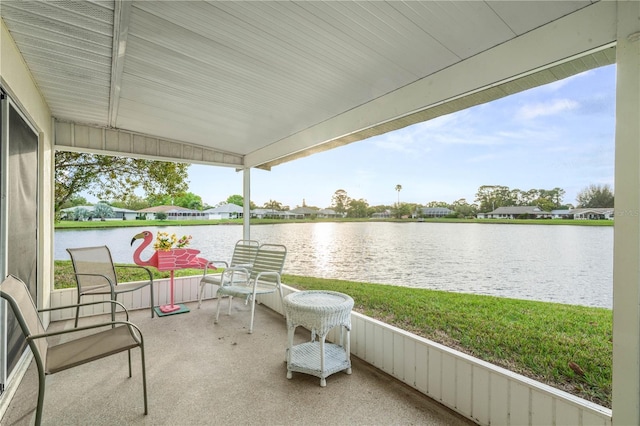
99 140
122 14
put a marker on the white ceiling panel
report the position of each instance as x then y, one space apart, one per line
270 81
454 24
523 16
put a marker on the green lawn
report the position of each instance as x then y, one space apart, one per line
536 339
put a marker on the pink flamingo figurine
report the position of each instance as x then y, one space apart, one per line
177 258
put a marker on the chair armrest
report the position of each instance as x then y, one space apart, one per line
231 271
138 267
113 302
266 274
87 327
112 285
212 263
269 274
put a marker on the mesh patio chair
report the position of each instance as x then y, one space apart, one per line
96 274
244 253
118 336
264 277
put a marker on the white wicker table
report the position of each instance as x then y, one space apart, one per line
319 311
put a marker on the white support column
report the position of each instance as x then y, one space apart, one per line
246 208
626 263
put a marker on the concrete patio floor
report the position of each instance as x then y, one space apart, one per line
202 373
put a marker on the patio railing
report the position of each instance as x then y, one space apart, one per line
478 390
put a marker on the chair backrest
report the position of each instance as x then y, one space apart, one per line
16 293
269 258
97 263
244 252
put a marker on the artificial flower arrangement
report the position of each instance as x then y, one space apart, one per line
165 242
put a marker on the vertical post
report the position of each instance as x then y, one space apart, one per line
246 208
626 263
4 225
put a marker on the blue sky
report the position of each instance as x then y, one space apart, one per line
558 135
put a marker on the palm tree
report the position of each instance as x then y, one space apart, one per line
398 188
80 213
103 210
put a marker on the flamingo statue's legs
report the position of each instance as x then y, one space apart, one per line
172 307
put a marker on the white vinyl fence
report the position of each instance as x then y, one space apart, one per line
480 391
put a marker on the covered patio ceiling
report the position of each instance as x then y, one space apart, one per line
255 84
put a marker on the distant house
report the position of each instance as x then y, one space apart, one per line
562 214
174 213
288 214
225 211
262 213
381 215
305 211
118 213
435 211
531 212
326 213
516 212
593 213
275 214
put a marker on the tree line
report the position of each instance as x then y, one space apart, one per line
117 178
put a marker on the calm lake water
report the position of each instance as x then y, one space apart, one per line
561 263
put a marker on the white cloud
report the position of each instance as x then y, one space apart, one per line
454 129
542 109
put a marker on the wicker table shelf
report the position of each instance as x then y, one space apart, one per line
319 311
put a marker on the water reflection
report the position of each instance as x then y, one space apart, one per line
565 264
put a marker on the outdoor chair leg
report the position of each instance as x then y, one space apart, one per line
77 312
153 312
77 315
253 309
40 399
201 294
144 379
218 310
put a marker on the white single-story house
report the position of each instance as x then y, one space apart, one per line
118 213
275 214
305 211
593 213
288 214
173 213
224 211
262 213
562 214
579 213
326 213
516 212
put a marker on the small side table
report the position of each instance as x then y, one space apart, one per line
319 311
